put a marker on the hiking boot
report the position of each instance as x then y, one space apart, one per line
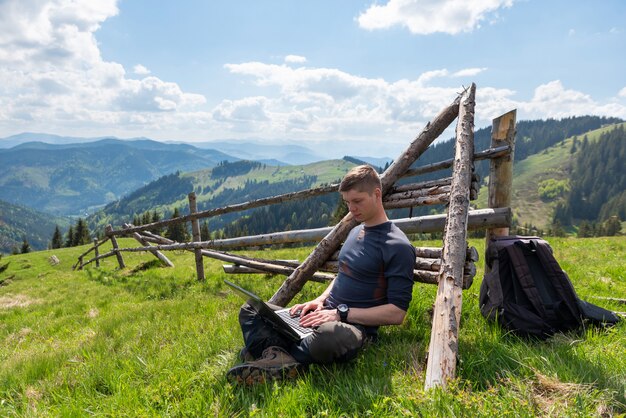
246 356
274 364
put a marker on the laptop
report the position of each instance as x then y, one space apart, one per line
282 320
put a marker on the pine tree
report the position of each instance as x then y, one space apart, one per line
81 233
156 218
25 249
57 238
204 231
69 241
612 226
585 230
177 232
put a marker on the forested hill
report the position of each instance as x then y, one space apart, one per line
531 138
598 180
230 183
18 223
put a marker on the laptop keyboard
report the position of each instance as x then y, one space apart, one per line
293 322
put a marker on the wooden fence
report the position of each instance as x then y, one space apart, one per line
451 267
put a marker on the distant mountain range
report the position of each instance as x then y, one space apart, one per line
72 179
56 176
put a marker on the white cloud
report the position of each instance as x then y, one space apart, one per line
424 17
296 59
469 72
325 102
53 73
54 79
140 70
553 100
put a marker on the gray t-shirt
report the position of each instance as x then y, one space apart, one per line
375 268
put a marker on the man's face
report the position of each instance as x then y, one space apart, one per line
362 205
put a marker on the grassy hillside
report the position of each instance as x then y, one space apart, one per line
152 341
533 172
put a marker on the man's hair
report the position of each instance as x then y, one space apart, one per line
362 178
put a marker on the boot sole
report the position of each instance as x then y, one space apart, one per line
247 374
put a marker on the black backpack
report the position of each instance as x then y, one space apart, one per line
529 294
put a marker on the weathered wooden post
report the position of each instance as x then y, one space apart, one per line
96 252
195 230
118 254
501 170
327 246
443 348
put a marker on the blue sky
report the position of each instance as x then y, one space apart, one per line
356 73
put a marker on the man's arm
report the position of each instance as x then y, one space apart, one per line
387 314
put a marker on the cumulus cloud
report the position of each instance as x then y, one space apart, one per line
424 17
296 59
140 70
52 69
332 103
554 100
469 72
54 79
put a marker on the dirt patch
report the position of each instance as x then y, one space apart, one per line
16 301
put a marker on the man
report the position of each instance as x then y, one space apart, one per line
373 288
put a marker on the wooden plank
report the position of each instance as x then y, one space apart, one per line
478 219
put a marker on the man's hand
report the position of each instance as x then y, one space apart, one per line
302 309
318 317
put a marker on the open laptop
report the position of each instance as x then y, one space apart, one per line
282 321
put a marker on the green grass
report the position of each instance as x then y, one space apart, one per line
152 341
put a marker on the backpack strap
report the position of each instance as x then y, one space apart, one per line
524 276
558 277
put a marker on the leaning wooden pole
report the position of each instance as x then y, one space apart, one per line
118 254
443 348
195 230
158 254
501 170
329 244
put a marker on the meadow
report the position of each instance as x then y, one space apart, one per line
153 341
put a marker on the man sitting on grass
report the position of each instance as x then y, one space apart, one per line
373 288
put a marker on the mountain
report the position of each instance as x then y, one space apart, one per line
19 222
14 140
71 179
150 175
260 150
543 160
